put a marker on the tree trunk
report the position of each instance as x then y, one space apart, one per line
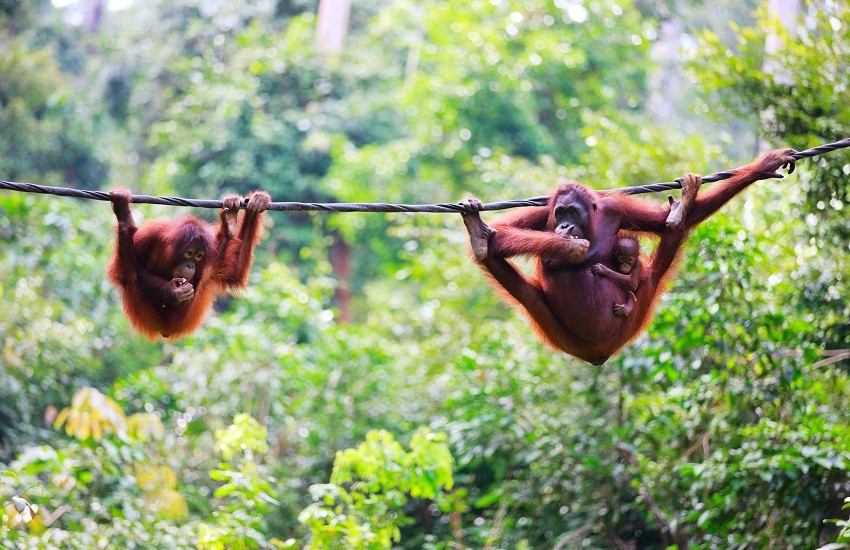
331 30
340 258
94 16
332 25
786 11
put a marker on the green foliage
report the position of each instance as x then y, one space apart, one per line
844 536
721 426
380 464
245 435
44 133
797 87
245 490
85 491
381 474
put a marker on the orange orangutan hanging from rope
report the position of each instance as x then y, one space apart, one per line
170 272
572 299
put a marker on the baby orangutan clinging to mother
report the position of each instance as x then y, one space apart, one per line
170 272
569 300
628 272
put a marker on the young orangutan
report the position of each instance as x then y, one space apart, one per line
629 272
169 272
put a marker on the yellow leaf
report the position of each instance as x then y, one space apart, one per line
73 423
81 397
84 429
61 417
168 503
97 431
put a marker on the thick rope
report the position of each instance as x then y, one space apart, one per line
380 207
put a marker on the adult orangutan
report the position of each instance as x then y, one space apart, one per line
569 305
170 272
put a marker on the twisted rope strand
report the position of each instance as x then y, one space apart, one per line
814 151
381 207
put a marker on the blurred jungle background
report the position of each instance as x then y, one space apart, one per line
369 390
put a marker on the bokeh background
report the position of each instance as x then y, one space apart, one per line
369 390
